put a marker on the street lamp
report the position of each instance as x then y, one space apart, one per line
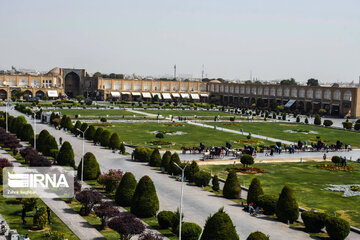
182 193
8 103
34 114
82 159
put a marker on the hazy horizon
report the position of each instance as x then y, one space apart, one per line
276 39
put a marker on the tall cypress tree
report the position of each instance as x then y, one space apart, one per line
173 169
105 138
125 191
145 202
287 208
66 155
232 187
91 167
89 134
219 226
155 158
255 190
114 142
166 160
98 133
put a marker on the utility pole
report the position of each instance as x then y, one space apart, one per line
182 194
82 159
175 71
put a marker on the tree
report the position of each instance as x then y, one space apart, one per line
75 129
145 202
288 82
68 124
255 190
166 219
328 123
189 231
219 226
159 135
313 221
83 128
122 148
90 133
125 191
91 167
336 159
215 183
173 169
27 133
313 82
114 142
127 225
247 160
232 187
166 160
50 146
105 211
105 138
66 155
39 220
142 154
268 203
257 236
88 198
191 170
317 119
155 158
202 178
287 208
97 135
41 141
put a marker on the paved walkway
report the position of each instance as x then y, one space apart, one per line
198 204
78 225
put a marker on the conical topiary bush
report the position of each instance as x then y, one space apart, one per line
91 167
125 191
255 190
232 187
66 155
145 202
155 158
287 208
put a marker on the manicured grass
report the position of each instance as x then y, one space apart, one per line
10 209
176 113
140 134
95 112
277 130
308 183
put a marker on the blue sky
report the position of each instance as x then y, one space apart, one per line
274 39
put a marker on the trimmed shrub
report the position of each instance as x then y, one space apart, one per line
257 236
66 155
313 221
114 141
268 203
127 225
287 208
142 154
219 226
297 119
155 158
122 148
255 190
68 124
247 160
173 169
336 159
75 129
328 123
27 133
39 220
191 170
50 145
125 191
202 178
41 140
166 219
215 183
189 231
159 135
91 167
317 119
54 235
166 160
90 133
145 202
232 187
105 138
88 199
97 135
347 125
337 228
306 121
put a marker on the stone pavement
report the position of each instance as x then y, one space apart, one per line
198 204
78 225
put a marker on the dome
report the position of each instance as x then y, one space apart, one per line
55 71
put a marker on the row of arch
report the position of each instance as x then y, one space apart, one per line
27 94
326 94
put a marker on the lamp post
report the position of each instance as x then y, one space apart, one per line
182 193
82 159
8 103
34 114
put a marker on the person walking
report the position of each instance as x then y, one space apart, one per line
48 214
324 157
60 141
23 214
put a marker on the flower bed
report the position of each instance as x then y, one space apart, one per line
247 141
174 124
160 143
247 170
231 124
355 188
102 124
333 167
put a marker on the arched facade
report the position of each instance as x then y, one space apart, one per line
72 84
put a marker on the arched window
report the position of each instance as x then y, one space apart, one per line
259 90
286 92
347 95
272 91
318 94
294 92
336 95
279 92
302 93
266 91
242 90
309 93
327 94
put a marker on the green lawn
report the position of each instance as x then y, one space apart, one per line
95 112
10 209
308 183
176 113
140 134
278 130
